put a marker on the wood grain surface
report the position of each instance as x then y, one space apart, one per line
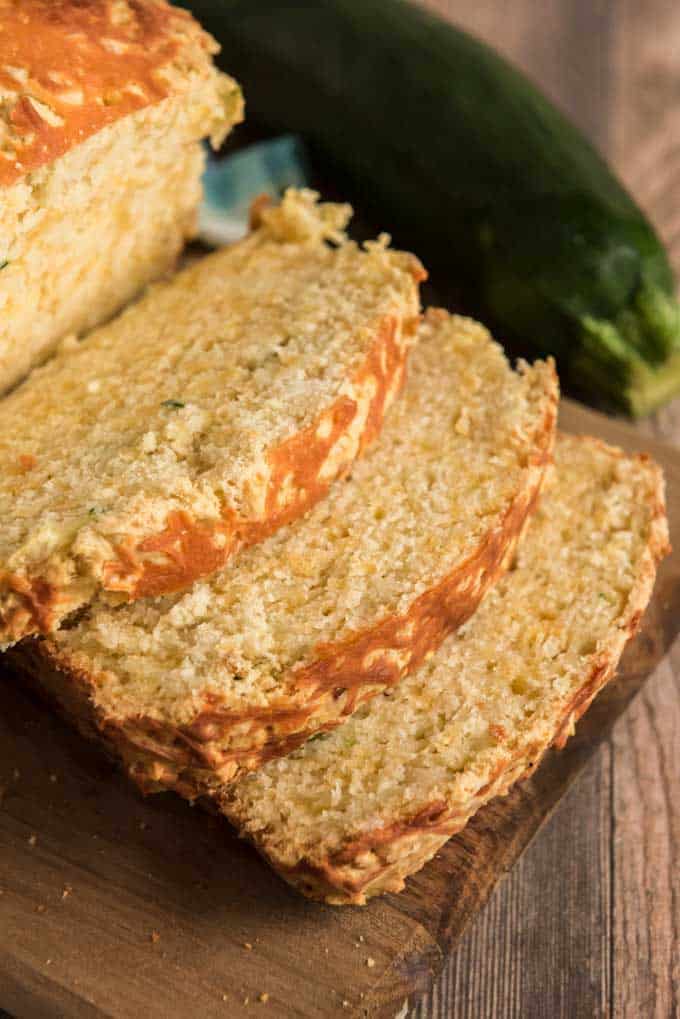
114 906
613 947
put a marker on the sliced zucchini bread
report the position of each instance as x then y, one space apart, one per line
218 407
104 105
194 689
351 815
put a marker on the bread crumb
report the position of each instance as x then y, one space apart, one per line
66 892
246 1001
247 944
264 998
32 840
40 908
155 937
53 778
462 425
370 962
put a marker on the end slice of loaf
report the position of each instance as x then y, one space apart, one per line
218 407
193 690
353 815
104 105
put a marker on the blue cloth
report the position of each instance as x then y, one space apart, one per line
230 184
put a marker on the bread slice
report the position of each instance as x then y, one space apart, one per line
218 407
104 105
193 690
352 815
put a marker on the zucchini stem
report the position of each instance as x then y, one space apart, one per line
633 360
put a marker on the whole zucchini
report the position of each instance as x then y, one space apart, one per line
436 133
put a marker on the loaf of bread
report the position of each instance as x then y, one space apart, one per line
103 107
352 815
217 407
194 689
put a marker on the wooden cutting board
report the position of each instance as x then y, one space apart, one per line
111 905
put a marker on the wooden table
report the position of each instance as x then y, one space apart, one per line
604 940
588 923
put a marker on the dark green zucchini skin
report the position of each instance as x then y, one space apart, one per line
440 137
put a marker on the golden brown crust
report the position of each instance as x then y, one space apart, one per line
33 605
193 757
188 548
218 745
340 677
379 861
69 68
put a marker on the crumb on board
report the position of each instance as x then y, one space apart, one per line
41 908
248 946
264 998
155 937
53 778
32 840
66 892
370 962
